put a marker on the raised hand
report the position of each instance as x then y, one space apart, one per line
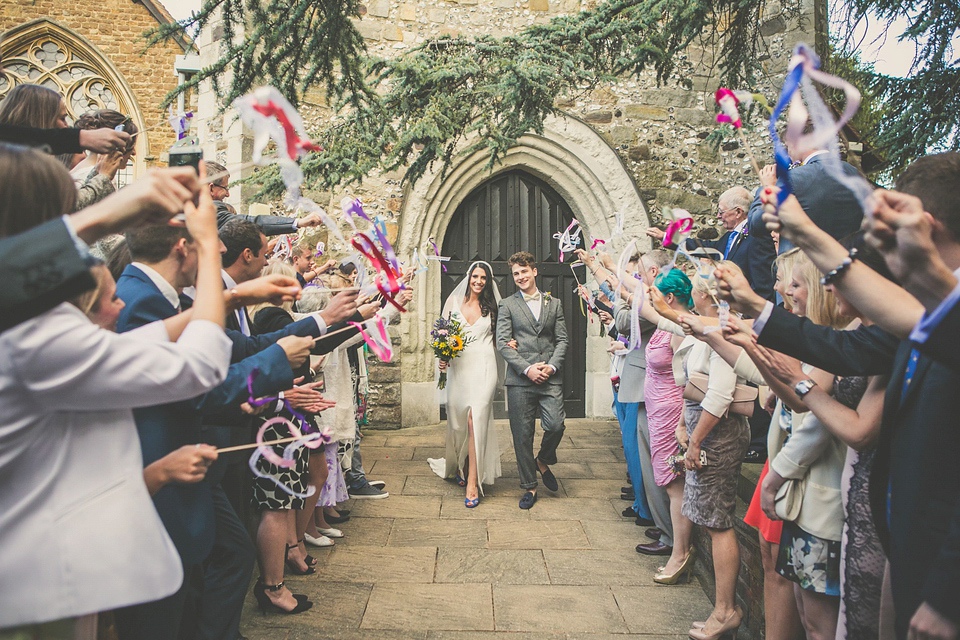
733 287
784 368
790 220
768 175
297 349
155 198
693 326
739 333
341 306
104 140
901 230
274 288
309 220
655 233
585 257
369 309
109 163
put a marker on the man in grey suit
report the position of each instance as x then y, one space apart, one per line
535 321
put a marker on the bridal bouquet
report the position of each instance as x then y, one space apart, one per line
448 342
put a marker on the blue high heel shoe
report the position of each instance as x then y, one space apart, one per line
471 503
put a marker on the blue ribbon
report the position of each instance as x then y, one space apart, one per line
790 86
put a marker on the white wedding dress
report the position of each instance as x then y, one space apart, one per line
472 379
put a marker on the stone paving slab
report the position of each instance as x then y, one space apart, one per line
384 453
519 534
622 534
553 609
589 488
422 453
471 534
430 606
491 566
400 468
381 564
362 531
397 507
494 507
626 567
419 565
662 609
551 507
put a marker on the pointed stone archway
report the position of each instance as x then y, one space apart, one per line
583 169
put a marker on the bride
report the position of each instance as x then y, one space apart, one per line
472 379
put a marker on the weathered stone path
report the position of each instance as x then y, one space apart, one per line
420 565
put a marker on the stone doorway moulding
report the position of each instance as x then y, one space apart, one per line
584 169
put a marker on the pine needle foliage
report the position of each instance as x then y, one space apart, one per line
416 109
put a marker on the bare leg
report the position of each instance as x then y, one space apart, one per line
682 526
318 478
821 611
726 566
472 474
271 546
296 552
781 618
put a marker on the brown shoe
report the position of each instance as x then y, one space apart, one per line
654 549
653 533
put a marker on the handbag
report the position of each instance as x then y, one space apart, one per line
789 499
744 396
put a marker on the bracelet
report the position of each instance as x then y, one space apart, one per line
831 277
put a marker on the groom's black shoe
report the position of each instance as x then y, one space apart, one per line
549 480
528 499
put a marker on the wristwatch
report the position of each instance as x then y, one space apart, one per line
803 387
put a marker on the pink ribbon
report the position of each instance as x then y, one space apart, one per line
378 340
728 103
294 144
679 226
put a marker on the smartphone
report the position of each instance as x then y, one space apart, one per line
186 152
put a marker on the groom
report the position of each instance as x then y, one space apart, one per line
534 385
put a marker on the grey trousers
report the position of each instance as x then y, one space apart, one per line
526 404
657 498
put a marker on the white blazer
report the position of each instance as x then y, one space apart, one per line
78 530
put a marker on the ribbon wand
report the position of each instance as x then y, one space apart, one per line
728 101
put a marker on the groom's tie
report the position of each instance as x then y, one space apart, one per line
533 298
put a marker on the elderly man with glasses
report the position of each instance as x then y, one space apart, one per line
269 225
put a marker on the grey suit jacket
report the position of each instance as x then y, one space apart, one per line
543 341
635 363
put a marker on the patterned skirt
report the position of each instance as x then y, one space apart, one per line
267 492
811 562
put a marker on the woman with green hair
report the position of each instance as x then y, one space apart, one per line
663 399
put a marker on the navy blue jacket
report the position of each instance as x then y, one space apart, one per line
830 205
187 509
753 253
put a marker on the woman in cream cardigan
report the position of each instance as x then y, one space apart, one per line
708 427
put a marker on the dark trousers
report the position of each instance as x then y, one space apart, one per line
526 404
221 585
158 620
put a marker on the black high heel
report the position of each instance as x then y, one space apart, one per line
294 567
263 600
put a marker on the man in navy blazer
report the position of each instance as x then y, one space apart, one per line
752 251
831 205
194 514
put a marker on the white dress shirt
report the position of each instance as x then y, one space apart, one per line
165 287
80 532
535 305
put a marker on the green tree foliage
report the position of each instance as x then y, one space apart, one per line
918 114
414 110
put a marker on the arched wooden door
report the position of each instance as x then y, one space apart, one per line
513 212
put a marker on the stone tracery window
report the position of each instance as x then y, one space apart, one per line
49 61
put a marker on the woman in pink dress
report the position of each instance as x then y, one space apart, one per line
663 399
